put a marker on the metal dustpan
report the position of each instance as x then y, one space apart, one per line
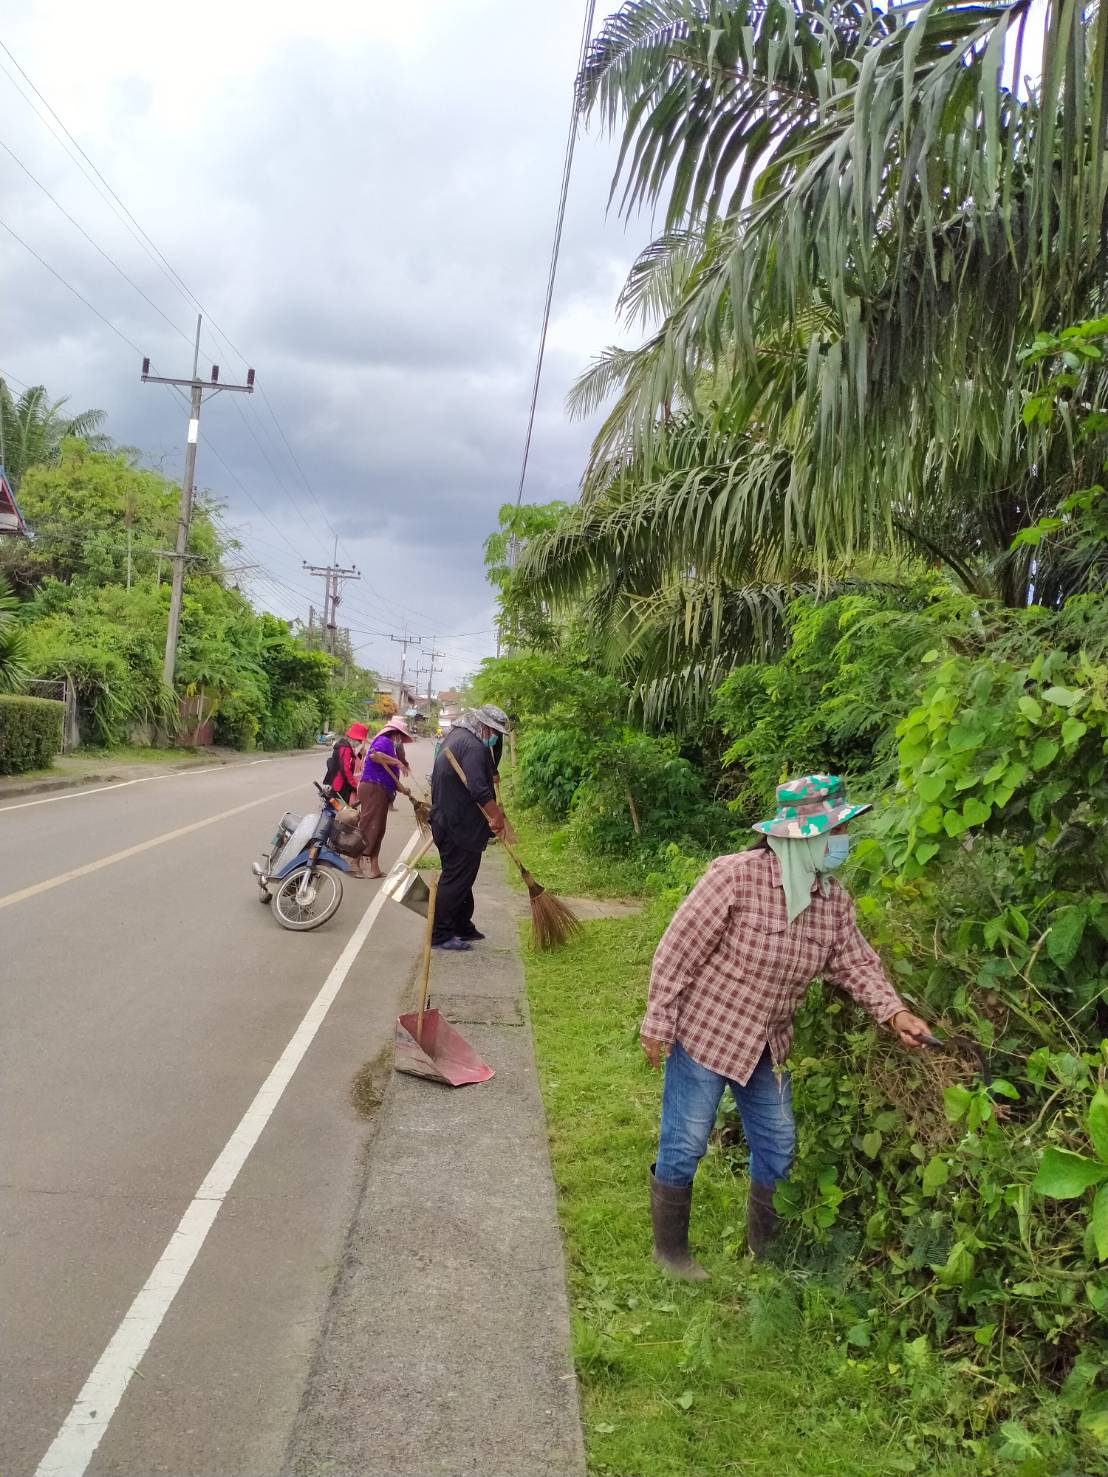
426 1045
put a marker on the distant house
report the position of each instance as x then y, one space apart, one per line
11 519
450 706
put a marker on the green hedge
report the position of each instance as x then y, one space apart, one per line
30 733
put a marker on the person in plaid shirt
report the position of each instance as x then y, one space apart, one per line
727 979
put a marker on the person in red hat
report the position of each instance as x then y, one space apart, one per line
382 775
342 768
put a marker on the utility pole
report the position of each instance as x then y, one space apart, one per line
404 642
332 576
433 655
196 388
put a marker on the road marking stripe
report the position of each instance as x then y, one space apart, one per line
128 851
146 779
84 1427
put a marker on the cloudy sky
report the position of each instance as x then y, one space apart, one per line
362 196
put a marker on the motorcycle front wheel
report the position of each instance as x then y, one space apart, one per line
322 897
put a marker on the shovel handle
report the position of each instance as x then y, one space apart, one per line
425 970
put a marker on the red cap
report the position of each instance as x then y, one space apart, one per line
357 732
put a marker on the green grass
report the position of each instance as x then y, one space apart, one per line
752 1372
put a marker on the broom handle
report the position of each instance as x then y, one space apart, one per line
425 972
460 772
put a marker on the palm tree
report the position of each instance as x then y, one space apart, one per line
32 429
14 670
865 225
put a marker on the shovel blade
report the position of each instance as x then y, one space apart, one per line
444 1054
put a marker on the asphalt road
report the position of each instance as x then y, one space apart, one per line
145 1000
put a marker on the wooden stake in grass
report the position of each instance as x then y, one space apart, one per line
552 923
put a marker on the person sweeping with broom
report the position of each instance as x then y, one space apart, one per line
728 977
464 814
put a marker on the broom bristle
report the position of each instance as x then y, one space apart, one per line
552 923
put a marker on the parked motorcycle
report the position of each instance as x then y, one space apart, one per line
301 873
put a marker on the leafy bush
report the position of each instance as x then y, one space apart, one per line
30 733
552 764
638 791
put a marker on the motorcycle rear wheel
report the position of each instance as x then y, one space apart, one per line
325 891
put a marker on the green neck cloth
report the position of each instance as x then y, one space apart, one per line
800 860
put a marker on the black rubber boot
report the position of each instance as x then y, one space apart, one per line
762 1221
670 1207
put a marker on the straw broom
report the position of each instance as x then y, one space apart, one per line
552 923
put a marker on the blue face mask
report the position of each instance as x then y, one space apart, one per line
838 849
490 743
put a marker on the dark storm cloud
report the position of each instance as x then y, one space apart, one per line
370 220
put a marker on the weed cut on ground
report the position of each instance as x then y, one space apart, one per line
762 1371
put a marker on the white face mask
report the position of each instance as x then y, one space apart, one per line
838 849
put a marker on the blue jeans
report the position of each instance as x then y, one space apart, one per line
689 1102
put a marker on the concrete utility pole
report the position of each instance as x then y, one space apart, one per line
332 576
405 641
433 655
196 388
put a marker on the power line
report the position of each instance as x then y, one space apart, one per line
4 375
567 166
93 243
69 285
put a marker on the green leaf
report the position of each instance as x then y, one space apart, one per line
871 1144
975 812
957 1270
925 851
1045 752
935 1175
1072 730
930 786
1030 708
1067 928
858 1335
1094 1418
1097 1124
1064 1176
604 1428
953 824
685 1400
1062 697
1099 1222
985 1334
930 656
964 737
956 1099
1017 1443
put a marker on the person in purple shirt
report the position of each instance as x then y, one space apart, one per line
382 775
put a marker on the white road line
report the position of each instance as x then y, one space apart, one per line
121 856
147 779
84 1427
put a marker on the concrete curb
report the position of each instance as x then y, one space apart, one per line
446 1346
14 788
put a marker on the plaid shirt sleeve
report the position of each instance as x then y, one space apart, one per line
854 966
688 943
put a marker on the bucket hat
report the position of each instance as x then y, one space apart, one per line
811 805
357 732
400 727
493 717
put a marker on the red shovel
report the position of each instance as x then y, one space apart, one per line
426 1045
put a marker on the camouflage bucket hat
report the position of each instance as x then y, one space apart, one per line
810 806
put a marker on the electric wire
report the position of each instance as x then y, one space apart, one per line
76 224
69 285
567 167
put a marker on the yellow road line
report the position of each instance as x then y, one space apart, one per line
121 856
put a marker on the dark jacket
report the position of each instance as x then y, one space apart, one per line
340 773
454 809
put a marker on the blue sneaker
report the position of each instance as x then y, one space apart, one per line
456 946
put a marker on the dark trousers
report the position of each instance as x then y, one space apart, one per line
454 902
